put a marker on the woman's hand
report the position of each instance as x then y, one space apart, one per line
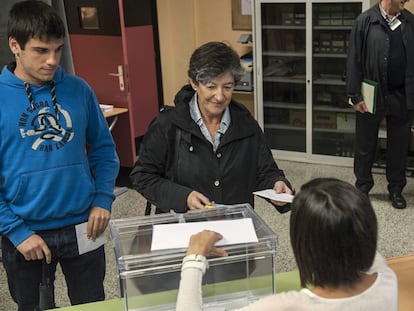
196 200
203 242
281 187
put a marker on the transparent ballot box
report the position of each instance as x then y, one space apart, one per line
149 280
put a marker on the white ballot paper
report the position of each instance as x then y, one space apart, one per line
234 231
271 194
84 244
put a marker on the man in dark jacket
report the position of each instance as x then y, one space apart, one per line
208 148
381 49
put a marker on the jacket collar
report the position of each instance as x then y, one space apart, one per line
242 124
376 15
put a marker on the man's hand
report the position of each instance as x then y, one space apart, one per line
35 248
196 200
97 222
203 242
361 107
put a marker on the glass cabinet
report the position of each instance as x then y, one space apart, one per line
300 50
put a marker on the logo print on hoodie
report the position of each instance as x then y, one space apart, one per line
53 129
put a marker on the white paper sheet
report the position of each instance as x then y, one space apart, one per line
234 231
369 92
271 194
86 245
246 7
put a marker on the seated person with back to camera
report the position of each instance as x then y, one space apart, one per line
333 232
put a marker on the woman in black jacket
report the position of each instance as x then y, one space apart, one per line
208 148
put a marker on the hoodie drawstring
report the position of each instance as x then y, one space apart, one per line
52 93
29 94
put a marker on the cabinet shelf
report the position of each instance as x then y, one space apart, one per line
333 109
284 27
243 92
331 27
284 105
284 80
284 53
284 127
345 131
321 81
300 50
329 55
297 128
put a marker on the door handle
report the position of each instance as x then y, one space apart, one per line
120 75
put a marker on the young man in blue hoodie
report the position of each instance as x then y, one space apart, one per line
58 164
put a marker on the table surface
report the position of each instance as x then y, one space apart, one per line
116 111
284 281
402 265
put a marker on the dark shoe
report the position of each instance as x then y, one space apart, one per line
397 200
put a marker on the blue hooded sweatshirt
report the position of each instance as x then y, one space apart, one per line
57 160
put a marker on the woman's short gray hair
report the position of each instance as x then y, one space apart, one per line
212 60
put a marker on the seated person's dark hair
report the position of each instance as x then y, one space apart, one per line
333 233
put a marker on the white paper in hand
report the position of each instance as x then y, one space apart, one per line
86 245
272 195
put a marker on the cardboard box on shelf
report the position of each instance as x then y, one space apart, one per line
324 22
324 120
338 43
336 22
287 18
297 118
348 22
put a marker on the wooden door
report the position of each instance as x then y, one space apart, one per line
116 57
139 25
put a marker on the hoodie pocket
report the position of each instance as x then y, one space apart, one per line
54 193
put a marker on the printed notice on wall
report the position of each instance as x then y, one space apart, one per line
246 7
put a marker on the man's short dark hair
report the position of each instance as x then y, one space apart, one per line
333 231
34 19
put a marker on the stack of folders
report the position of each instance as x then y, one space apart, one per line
369 92
106 107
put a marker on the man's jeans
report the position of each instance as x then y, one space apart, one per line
84 273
